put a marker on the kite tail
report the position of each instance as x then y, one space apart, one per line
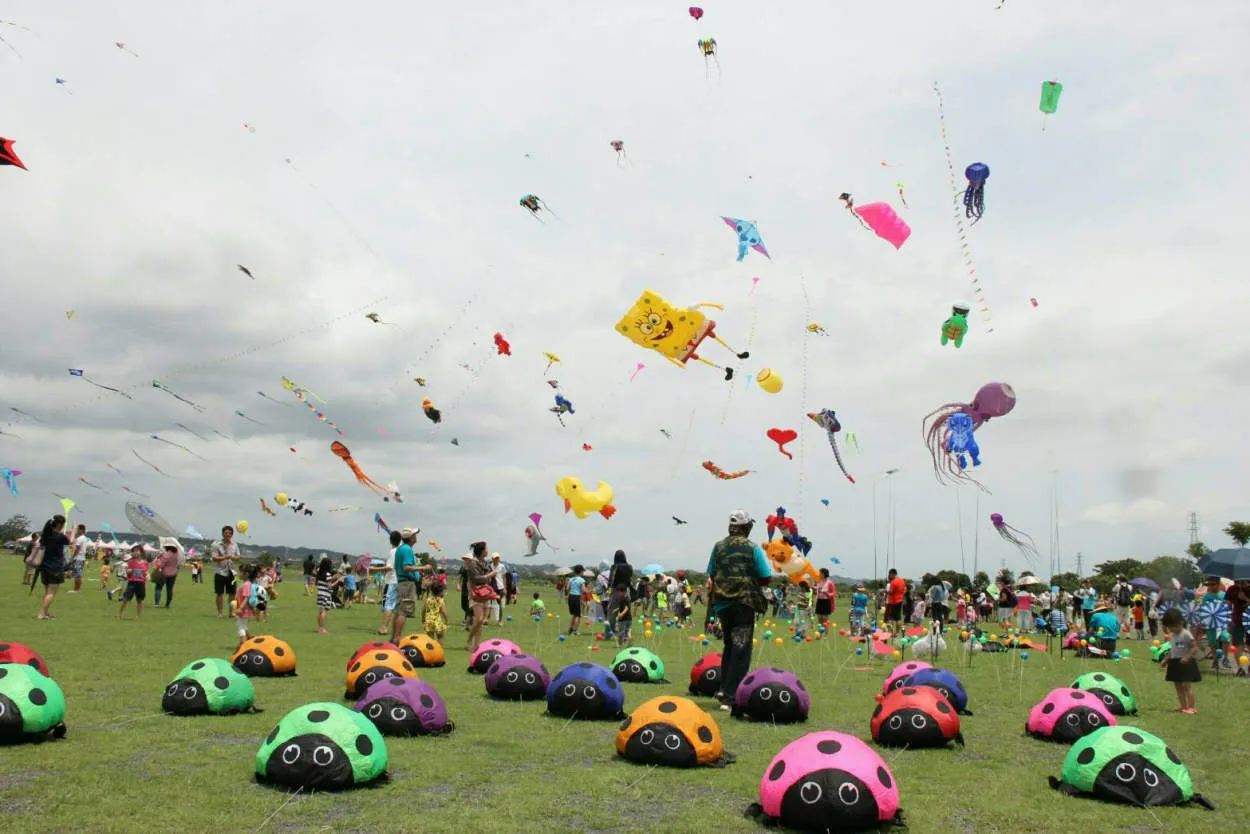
838 457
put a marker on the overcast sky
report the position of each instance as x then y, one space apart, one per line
412 132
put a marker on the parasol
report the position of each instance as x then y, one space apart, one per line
1229 562
1215 614
1143 582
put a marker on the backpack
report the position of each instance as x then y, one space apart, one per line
1012 599
1125 596
251 597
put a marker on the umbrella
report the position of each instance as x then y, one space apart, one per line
1190 610
1230 563
1143 582
1215 614
653 569
564 571
1029 579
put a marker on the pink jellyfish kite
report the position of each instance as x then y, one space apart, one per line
885 222
1022 540
948 431
696 12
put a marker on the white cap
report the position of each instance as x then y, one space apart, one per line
409 532
740 517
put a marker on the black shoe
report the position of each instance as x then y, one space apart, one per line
729 374
744 355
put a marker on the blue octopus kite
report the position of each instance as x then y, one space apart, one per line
960 440
748 237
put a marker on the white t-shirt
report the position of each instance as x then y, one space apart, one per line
220 548
80 548
392 578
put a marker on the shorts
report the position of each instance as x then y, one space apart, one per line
1006 613
390 598
857 617
575 606
406 598
623 628
137 591
241 625
309 579
223 584
51 577
76 569
824 607
893 612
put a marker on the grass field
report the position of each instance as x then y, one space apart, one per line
124 766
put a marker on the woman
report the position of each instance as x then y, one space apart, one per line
462 584
165 572
826 591
620 580
29 575
479 573
52 571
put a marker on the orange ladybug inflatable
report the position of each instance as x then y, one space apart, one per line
422 650
264 657
372 667
673 731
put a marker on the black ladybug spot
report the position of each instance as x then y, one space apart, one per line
427 701
4 647
429 647
199 664
878 710
395 681
494 667
883 776
705 735
800 685
544 668
1123 691
1100 677
1132 738
34 664
745 681
654 665
778 671
1078 695
625 724
667 706
38 697
407 666
279 651
1172 756
355 666
829 747
909 691
945 708
1048 709
584 665
3 672
272 735
776 772
221 683
318 715
363 745
610 683
1085 756
380 656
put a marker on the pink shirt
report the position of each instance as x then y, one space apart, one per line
137 570
168 563
242 611
826 589
1024 601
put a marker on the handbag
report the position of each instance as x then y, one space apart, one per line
484 593
35 559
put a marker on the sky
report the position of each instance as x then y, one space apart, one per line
386 155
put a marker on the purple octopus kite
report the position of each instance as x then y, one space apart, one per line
950 441
1019 538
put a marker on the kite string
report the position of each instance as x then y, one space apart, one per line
807 317
956 205
750 343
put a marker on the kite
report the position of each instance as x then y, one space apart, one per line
956 327
502 346
748 237
272 400
827 420
93 486
562 406
696 12
850 206
534 536
246 271
342 451
192 532
323 418
265 508
156 468
621 158
433 413
948 442
382 525
551 360
974 196
817 328
1051 90
885 222
852 440
145 520
584 502
10 479
178 446
637 370
136 492
678 521
722 474
376 319
455 441
673 332
125 48
78 372
24 414
781 437
420 380
115 469
665 432
197 434
9 434
8 156
535 204
1022 540
249 419
299 391
708 47
179 397
434 545
769 380
345 509
901 197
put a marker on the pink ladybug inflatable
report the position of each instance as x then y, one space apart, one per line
490 651
827 781
895 679
1065 715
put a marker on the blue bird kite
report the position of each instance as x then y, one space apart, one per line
748 236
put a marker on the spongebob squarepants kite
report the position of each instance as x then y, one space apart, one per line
674 332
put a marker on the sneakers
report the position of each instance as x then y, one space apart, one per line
725 707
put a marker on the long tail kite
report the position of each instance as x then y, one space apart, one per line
176 396
343 452
722 474
191 431
178 446
78 372
155 468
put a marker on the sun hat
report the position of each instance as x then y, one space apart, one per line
409 532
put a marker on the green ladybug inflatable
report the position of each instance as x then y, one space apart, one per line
209 686
638 665
32 706
324 747
1125 764
1117 697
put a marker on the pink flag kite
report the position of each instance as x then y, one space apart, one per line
885 222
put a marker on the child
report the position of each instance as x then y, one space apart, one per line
859 610
538 608
1139 618
434 613
105 573
661 601
683 606
961 608
136 574
917 612
624 619
326 583
801 604
263 584
246 598
1182 665
349 587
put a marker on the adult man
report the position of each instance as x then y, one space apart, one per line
937 597
738 569
1122 595
224 554
78 559
1089 598
895 592
407 578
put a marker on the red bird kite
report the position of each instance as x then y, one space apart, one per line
7 155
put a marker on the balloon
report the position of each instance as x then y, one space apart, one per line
769 380
779 641
647 634
1126 653
281 498
241 527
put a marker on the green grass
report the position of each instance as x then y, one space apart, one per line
507 767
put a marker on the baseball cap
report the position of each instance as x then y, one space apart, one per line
739 517
409 532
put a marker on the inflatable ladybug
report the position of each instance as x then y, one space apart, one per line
915 716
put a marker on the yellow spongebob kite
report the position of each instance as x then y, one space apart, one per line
673 332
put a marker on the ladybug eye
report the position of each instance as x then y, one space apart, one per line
290 754
399 714
1108 700
784 696
713 674
848 794
191 692
766 693
375 710
513 677
570 690
646 737
1073 719
811 793
1125 772
529 677
257 659
1149 777
173 690
672 741
1094 719
370 677
895 722
323 755
919 722
590 692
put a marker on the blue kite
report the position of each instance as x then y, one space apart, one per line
748 236
10 479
